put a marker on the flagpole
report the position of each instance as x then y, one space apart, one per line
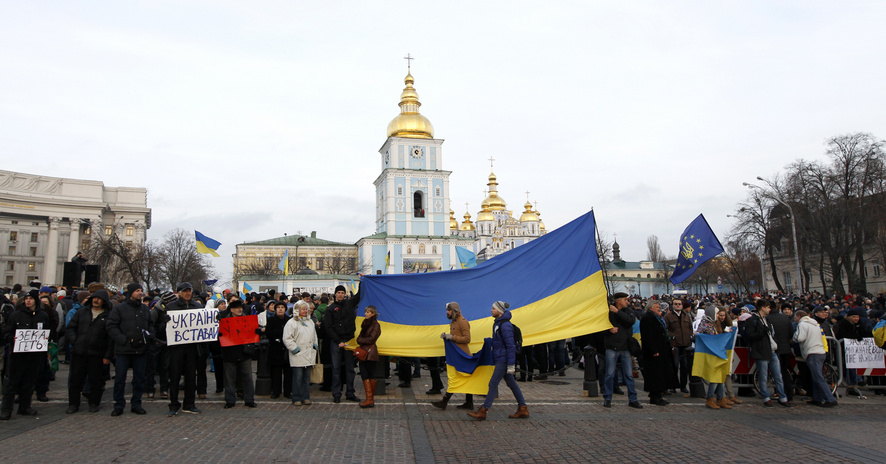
600 259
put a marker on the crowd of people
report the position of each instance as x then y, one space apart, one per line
100 329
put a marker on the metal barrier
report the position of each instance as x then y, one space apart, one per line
744 368
869 374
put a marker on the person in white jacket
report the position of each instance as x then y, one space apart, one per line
811 339
300 338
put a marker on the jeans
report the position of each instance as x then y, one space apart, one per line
820 389
242 369
612 357
764 368
500 372
337 355
139 365
301 378
715 389
557 354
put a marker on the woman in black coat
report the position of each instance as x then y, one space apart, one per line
278 355
659 373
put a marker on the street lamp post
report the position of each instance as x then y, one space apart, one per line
793 232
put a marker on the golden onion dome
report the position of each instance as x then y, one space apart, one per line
467 224
410 123
528 215
485 214
495 202
453 223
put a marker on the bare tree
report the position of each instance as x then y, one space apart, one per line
180 261
654 252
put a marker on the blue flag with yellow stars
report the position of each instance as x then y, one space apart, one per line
697 245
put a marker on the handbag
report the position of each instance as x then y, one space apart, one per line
361 353
317 372
634 345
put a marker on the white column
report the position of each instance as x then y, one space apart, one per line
74 240
50 262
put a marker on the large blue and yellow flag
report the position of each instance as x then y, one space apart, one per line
554 285
468 373
713 356
207 245
697 245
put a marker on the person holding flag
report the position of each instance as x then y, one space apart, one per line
504 357
460 334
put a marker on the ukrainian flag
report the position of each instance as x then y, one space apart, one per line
247 289
713 356
469 373
554 285
879 335
207 245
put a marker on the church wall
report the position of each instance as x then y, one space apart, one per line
420 228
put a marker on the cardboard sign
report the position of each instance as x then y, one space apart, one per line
863 354
191 326
31 340
238 330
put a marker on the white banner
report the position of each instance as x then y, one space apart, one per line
191 326
863 354
31 340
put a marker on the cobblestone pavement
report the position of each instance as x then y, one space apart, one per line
564 427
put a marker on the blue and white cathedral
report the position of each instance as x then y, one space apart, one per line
415 227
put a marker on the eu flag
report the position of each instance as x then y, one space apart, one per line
697 245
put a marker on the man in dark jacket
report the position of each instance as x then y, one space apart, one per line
129 326
340 325
659 372
88 334
680 329
761 340
238 365
183 358
783 331
618 349
851 327
22 368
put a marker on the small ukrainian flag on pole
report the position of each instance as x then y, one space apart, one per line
207 245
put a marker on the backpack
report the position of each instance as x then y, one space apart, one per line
518 337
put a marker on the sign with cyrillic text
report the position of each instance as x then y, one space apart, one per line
31 340
191 326
863 354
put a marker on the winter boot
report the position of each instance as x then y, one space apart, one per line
723 404
479 414
522 413
711 403
468 404
369 386
443 402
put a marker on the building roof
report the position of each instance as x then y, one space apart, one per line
297 240
632 266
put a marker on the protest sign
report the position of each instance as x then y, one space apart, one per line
31 340
863 354
191 326
238 330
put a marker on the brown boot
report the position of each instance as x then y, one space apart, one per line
711 403
736 400
369 386
522 412
479 414
728 401
723 404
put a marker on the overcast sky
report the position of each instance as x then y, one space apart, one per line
248 120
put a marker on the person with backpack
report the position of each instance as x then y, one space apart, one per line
504 358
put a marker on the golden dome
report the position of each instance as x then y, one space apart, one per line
409 123
467 224
528 215
485 214
541 224
495 202
453 223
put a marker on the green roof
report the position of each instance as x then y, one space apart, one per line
382 235
297 240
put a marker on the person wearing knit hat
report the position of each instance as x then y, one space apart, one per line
129 326
22 367
504 358
183 359
340 325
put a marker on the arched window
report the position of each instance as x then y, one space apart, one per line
418 205
648 276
